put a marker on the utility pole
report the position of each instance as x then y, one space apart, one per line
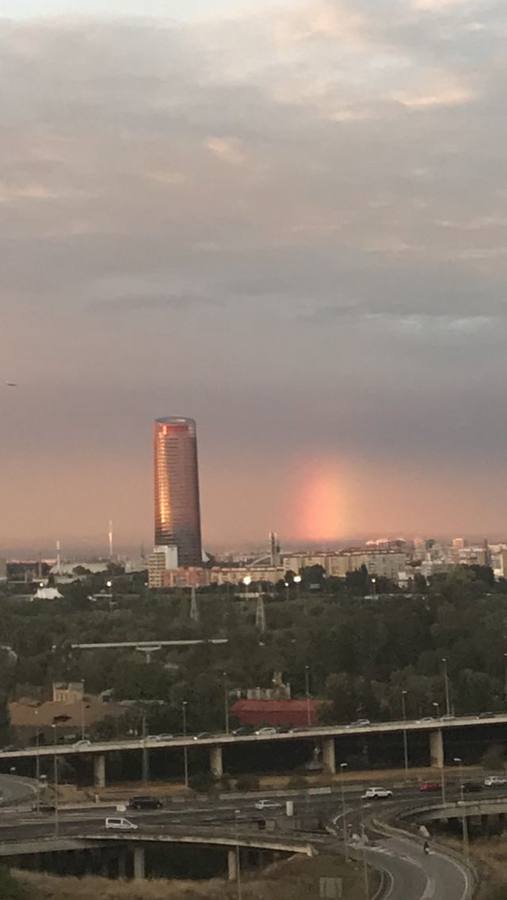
185 748
260 615
405 735
194 609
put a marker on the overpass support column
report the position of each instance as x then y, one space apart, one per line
122 864
216 761
437 749
145 764
232 865
99 770
139 863
329 756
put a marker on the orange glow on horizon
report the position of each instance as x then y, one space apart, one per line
321 503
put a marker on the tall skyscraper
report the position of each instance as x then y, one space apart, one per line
177 511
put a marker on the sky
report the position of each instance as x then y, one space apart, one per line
286 220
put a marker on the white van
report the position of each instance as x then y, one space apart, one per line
120 824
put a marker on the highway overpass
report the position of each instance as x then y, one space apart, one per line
326 736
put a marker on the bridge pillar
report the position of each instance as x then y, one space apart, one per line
139 863
232 865
437 749
216 761
329 756
99 770
122 864
145 764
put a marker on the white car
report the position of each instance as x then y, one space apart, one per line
267 730
118 823
268 804
376 793
494 780
82 743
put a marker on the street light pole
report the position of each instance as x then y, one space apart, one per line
37 764
446 685
55 781
464 820
405 735
238 860
343 766
185 748
226 703
505 677
307 694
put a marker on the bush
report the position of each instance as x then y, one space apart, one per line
247 783
10 889
493 758
497 893
203 782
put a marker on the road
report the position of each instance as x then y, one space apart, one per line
14 790
414 876
410 875
427 726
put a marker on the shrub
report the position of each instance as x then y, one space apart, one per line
247 783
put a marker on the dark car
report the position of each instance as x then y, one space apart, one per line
243 730
472 787
145 803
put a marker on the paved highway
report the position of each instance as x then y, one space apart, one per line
414 725
412 875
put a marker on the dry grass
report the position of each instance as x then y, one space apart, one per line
296 879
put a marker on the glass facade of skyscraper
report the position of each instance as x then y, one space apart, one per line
177 509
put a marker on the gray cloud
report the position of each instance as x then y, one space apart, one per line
259 220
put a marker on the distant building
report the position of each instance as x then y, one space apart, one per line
73 692
186 577
161 560
177 507
236 574
289 713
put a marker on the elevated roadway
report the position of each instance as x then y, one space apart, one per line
325 735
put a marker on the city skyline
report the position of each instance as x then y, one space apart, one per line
287 220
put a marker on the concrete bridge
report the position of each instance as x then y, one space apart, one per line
325 735
135 843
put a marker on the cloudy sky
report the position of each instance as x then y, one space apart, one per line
288 220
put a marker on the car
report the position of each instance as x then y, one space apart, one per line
486 715
427 787
494 780
202 735
472 787
145 803
82 743
268 804
376 793
426 719
243 730
160 737
44 808
360 723
447 718
118 823
267 730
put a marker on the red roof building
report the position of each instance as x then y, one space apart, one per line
276 712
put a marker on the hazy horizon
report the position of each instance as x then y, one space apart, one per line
287 221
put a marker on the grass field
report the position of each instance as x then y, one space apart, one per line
296 879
